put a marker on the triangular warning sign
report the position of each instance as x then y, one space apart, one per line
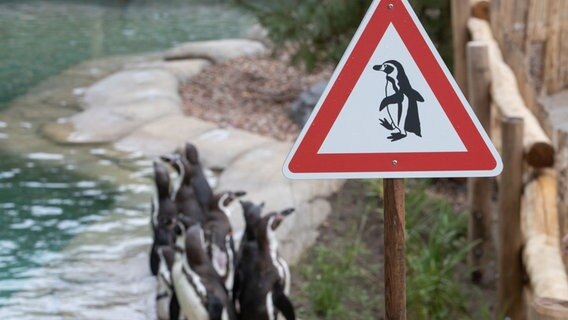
392 110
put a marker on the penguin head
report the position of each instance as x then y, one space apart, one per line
386 67
180 165
251 211
266 227
252 214
191 154
224 199
272 221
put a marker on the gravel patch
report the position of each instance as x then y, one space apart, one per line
250 93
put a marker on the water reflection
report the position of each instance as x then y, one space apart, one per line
41 209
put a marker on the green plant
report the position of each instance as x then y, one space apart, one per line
331 272
436 247
336 282
319 30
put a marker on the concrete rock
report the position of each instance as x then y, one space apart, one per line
219 148
129 87
299 231
184 70
100 125
216 50
268 183
119 104
164 135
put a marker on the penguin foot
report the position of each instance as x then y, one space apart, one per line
396 136
386 124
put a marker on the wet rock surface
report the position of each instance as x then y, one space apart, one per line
216 51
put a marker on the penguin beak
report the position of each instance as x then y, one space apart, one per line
287 212
169 158
238 194
379 67
233 195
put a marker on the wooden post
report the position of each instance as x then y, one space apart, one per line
479 78
395 261
461 10
510 283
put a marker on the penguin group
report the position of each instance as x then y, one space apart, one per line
202 273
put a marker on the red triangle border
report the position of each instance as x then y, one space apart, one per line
478 156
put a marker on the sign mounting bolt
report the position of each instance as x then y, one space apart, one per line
390 6
394 162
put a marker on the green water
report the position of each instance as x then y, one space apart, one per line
45 202
42 38
42 207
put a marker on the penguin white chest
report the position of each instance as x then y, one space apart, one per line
164 293
190 303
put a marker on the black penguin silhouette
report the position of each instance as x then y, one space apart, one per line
199 181
164 214
404 97
184 194
260 291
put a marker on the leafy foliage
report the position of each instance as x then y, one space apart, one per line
436 246
319 31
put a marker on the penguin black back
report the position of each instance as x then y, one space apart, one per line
199 182
185 196
260 290
164 213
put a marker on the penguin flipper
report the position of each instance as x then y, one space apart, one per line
282 303
154 260
413 94
394 99
174 307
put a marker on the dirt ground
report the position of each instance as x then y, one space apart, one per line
251 93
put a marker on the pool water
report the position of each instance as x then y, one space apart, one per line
39 38
42 207
66 213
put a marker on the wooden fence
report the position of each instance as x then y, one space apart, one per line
532 280
533 35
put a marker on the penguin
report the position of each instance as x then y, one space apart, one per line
165 292
199 181
263 276
401 102
198 288
184 193
164 215
219 236
252 214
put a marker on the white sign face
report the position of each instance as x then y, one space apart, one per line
392 110
355 131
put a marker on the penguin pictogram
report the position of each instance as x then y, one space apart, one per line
401 102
